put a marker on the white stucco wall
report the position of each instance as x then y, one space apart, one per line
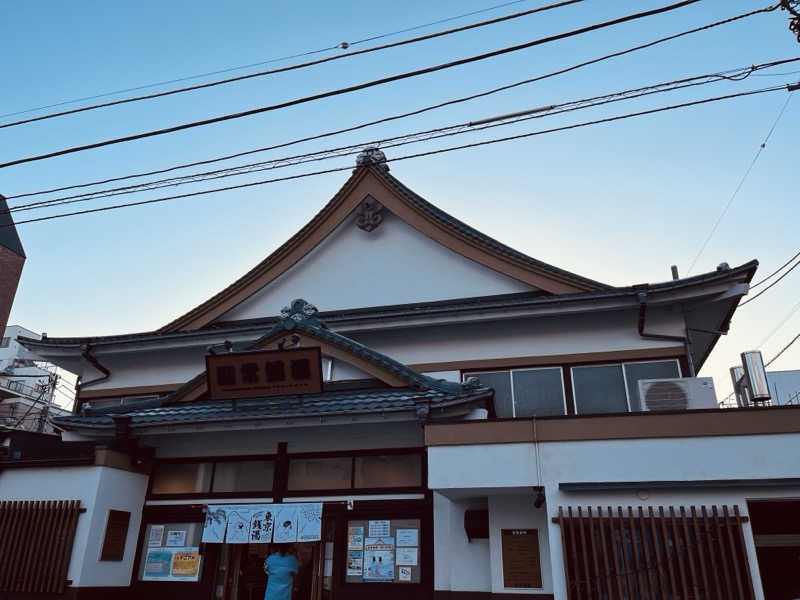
99 489
353 268
459 565
518 512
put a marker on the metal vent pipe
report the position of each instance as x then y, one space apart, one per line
737 373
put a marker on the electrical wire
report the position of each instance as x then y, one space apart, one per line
738 187
775 272
290 67
408 156
783 321
792 268
784 349
353 88
263 62
457 129
403 115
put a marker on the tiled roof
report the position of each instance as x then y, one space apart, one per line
347 402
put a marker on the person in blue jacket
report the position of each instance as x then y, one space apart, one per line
280 567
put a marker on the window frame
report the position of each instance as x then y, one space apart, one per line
510 371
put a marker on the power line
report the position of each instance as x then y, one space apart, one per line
410 156
775 272
783 321
784 349
263 62
792 268
404 115
457 129
290 67
738 187
353 88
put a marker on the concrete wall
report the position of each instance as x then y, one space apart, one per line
512 512
99 489
353 268
459 565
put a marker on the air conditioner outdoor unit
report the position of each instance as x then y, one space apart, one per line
686 393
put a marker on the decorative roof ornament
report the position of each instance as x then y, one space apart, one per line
368 214
299 310
372 155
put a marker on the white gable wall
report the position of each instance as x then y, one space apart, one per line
394 264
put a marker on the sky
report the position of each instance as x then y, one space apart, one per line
618 202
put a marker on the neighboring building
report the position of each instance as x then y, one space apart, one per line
784 387
27 385
12 257
446 425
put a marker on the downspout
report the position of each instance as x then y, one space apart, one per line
641 296
86 354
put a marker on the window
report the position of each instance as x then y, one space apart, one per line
599 389
243 476
384 550
662 369
615 388
526 392
320 473
394 470
4 342
181 478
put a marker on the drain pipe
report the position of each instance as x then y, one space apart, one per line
86 354
641 296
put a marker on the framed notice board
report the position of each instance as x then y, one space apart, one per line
521 561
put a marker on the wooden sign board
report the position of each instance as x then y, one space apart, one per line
521 561
116 534
264 373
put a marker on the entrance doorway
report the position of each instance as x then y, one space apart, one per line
776 531
241 571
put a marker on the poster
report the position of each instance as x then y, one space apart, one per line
238 525
379 529
157 564
407 556
176 538
260 530
378 558
408 537
404 574
521 567
285 529
309 522
186 565
355 538
156 535
214 528
355 559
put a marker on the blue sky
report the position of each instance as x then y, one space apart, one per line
619 202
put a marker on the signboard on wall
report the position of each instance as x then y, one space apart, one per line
264 373
521 561
263 523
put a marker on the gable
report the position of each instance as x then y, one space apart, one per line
393 264
372 184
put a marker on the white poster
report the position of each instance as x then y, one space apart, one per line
238 525
285 528
260 531
404 574
309 522
407 556
379 529
156 535
379 559
176 538
408 537
355 538
355 560
216 521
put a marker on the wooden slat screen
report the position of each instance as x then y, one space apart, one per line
654 553
36 544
